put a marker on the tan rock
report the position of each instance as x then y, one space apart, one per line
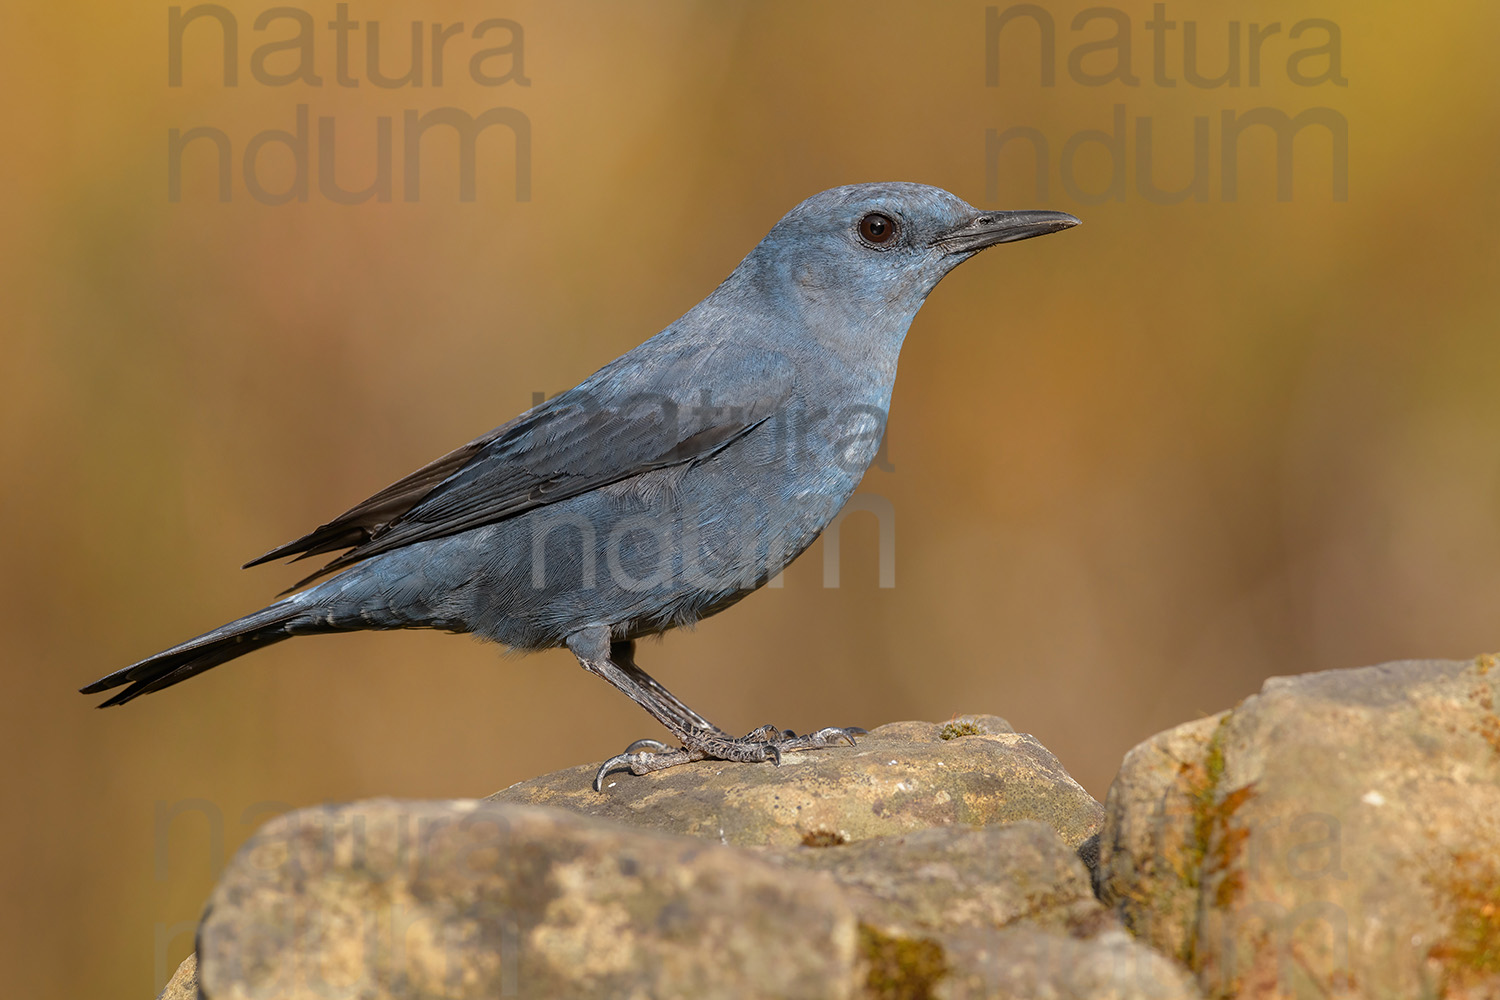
931 860
389 899
901 777
1151 839
1023 962
463 899
184 982
963 912
1337 834
953 878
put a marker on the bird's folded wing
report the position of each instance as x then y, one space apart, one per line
645 411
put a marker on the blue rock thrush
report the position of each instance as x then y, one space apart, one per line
664 487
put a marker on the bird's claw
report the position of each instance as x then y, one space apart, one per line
767 743
645 746
645 761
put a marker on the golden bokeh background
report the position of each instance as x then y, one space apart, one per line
1137 468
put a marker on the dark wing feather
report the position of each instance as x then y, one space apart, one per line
645 411
360 522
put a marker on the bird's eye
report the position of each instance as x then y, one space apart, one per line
877 229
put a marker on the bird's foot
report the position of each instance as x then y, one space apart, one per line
766 743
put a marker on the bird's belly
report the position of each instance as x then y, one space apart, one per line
644 557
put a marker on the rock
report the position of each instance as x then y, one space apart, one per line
990 911
931 860
951 878
184 982
1150 847
1023 962
1337 833
901 777
464 899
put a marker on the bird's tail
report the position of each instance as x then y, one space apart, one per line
244 635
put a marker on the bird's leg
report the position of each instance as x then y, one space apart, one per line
701 739
622 654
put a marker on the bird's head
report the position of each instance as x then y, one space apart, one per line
877 250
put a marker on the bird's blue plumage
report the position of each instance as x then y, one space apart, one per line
664 487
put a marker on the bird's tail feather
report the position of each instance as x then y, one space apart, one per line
254 631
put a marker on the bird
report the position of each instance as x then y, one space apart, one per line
662 489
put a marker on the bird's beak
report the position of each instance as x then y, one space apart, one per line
989 228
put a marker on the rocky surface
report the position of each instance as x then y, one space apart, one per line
995 911
1337 834
929 861
472 899
184 982
901 777
951 878
483 899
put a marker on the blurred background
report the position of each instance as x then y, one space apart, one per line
1136 469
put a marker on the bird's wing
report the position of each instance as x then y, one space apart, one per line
645 411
